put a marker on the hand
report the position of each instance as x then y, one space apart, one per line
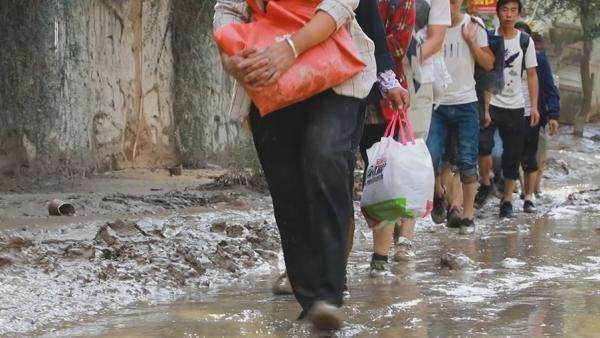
554 126
399 97
535 117
469 32
231 64
266 66
487 119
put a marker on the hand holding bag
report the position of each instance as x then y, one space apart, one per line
324 66
400 178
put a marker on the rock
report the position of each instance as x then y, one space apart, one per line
219 226
5 261
235 231
282 286
456 262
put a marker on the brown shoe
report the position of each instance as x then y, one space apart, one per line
325 316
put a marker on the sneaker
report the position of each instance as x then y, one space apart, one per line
282 285
467 227
440 205
522 196
482 195
379 268
506 210
325 316
404 250
454 218
529 207
538 194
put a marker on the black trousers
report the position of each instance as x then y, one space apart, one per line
510 123
530 146
305 151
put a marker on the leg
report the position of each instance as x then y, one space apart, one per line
436 142
468 143
486 145
331 121
529 163
512 132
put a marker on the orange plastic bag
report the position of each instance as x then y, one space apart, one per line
326 65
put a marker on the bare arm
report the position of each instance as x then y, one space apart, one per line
434 41
532 82
487 97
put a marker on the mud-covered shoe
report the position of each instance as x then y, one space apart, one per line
326 317
538 194
440 205
529 207
454 218
506 210
379 268
404 250
282 285
483 193
467 227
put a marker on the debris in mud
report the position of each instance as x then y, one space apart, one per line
585 200
554 168
456 262
176 170
239 177
5 261
172 200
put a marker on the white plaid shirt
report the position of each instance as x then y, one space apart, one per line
237 11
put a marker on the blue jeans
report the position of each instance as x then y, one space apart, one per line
466 119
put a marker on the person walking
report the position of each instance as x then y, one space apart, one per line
432 17
505 111
548 93
305 152
465 45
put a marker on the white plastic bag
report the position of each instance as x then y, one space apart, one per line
400 178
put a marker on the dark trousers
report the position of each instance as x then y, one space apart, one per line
510 123
305 151
530 146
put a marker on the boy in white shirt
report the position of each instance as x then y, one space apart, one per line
465 44
505 111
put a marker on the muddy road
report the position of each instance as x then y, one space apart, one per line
190 258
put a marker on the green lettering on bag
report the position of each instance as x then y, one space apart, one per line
389 210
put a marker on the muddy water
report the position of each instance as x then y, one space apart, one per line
530 276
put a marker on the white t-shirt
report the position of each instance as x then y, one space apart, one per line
439 14
512 94
461 64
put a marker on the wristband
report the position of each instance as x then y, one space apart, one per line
292 45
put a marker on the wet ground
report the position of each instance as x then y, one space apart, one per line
185 272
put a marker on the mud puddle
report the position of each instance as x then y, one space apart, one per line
537 278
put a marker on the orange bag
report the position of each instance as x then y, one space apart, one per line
326 65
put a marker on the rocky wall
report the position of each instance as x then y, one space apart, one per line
106 84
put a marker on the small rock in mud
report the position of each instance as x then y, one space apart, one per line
584 197
219 226
456 262
5 261
18 242
235 231
554 167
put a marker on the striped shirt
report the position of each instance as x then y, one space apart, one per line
342 11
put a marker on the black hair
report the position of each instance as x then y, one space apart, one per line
501 3
523 26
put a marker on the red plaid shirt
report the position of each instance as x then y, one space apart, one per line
399 20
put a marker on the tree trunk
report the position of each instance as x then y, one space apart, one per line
587 79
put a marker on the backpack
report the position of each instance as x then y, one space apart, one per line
493 80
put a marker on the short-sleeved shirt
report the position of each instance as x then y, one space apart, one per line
460 63
512 95
439 14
